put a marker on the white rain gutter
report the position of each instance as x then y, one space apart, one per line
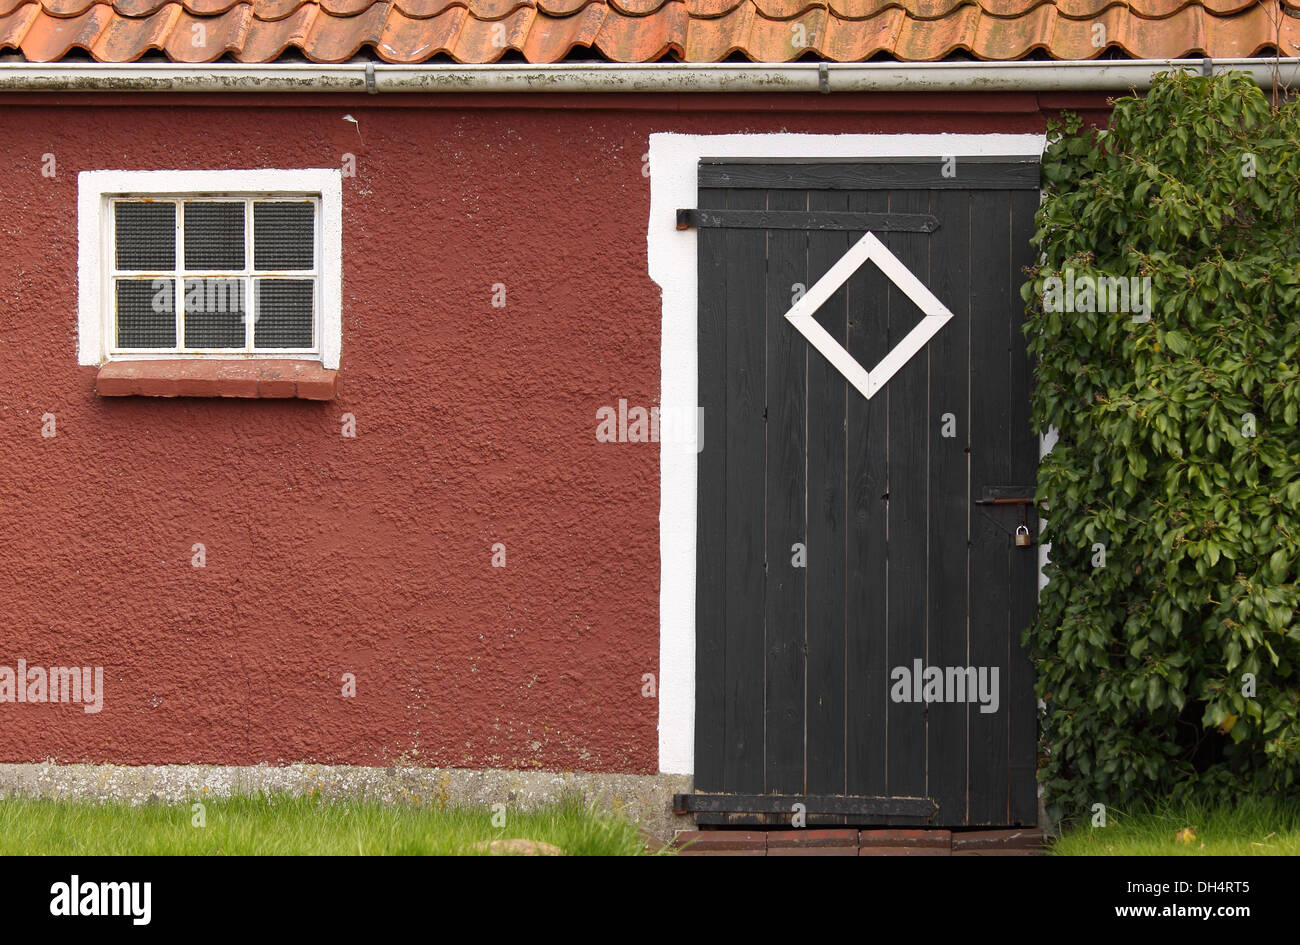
1090 75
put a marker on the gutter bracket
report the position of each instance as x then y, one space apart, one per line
1207 67
824 78
371 88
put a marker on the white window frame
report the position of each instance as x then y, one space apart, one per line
96 191
674 165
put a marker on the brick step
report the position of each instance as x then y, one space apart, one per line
841 841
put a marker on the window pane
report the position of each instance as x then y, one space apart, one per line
146 235
214 313
145 313
284 235
285 313
214 235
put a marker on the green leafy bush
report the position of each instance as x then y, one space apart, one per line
1177 452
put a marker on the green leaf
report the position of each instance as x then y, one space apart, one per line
1155 689
1277 566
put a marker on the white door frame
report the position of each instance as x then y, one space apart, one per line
674 161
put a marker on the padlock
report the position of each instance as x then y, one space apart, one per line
1023 538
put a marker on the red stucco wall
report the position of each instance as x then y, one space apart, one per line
475 425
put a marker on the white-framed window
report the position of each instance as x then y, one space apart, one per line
210 264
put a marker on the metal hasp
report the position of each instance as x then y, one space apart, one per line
841 804
1014 496
1006 495
808 220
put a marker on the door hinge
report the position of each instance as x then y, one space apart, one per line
808 220
843 804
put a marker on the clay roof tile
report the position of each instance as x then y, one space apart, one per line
339 38
50 37
411 39
204 39
267 39
659 35
126 39
16 22
480 31
279 9
551 38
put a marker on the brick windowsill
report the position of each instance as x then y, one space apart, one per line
208 377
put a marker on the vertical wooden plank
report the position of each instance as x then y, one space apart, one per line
825 408
746 308
867 474
949 497
907 393
711 534
992 544
787 264
1023 451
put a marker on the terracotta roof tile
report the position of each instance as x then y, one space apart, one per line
50 38
218 35
345 7
855 40
624 7
565 7
710 40
703 9
496 9
134 8
488 40
67 8
480 31
659 35
938 38
124 39
271 10
423 9
553 37
339 38
407 39
267 39
213 7
16 22
1021 36
776 40
148 7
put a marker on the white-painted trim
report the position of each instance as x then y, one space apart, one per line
868 249
1045 443
674 160
94 187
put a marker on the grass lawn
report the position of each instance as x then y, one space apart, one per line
286 825
1252 828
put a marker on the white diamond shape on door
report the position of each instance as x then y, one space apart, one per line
867 382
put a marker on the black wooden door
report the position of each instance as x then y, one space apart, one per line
843 540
